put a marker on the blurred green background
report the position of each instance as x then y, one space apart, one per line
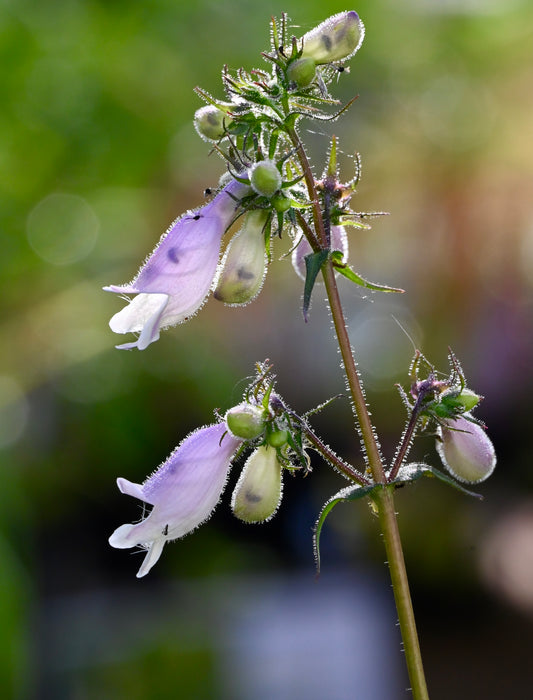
97 156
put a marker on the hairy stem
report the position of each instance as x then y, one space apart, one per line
402 596
384 498
405 445
330 456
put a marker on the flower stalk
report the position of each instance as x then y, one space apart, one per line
384 498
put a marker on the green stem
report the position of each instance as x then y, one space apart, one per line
402 596
384 501
327 453
384 498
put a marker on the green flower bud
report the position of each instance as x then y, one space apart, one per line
336 39
210 121
466 450
281 203
467 399
265 178
277 438
243 267
258 491
302 71
246 421
452 405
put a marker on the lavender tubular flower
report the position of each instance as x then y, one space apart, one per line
175 280
466 450
183 492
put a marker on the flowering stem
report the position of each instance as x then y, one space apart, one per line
407 439
383 497
402 596
384 500
328 454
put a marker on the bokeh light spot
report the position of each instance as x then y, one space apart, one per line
62 228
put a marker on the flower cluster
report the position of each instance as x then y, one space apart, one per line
185 489
270 190
254 132
445 406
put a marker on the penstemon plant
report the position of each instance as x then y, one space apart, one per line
270 189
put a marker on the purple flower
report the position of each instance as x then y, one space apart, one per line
183 492
175 280
466 450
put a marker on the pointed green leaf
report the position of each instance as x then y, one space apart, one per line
313 263
347 271
350 493
413 472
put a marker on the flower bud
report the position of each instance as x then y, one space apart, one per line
336 39
465 401
243 267
258 491
278 438
302 71
246 421
210 122
281 203
265 178
466 450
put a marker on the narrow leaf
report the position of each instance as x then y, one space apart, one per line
413 472
350 493
336 258
313 263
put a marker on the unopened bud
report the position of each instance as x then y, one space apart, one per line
465 401
210 122
265 178
302 71
258 491
336 39
466 450
246 421
244 264
278 438
281 203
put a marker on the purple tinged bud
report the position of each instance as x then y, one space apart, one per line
183 492
175 280
246 421
243 267
257 494
265 178
336 39
339 241
466 450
